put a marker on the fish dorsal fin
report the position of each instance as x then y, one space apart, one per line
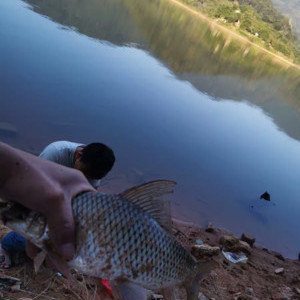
146 197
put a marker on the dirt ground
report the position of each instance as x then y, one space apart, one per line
254 279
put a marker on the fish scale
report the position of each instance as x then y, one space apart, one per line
142 251
121 237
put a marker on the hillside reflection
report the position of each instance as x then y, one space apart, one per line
195 51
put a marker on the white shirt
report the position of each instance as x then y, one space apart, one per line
62 152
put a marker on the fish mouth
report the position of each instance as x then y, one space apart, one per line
13 212
3 204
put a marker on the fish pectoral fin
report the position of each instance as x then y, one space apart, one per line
39 259
126 290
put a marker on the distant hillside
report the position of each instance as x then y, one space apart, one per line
291 8
259 20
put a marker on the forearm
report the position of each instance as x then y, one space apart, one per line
27 179
10 161
19 174
46 187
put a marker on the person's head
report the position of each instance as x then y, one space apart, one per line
94 160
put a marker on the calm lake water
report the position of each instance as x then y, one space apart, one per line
173 96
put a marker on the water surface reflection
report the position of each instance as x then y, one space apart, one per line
214 62
154 89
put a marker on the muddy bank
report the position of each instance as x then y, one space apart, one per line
265 275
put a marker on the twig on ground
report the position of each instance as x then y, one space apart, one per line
75 294
31 293
47 288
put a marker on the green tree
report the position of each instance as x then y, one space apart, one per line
228 13
264 34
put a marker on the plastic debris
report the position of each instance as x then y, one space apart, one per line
199 242
266 196
235 258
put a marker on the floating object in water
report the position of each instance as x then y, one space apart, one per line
266 196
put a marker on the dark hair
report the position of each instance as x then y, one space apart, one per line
99 159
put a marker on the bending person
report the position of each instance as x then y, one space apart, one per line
45 187
94 161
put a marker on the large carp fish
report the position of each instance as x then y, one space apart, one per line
125 238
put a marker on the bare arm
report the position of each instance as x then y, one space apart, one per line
45 187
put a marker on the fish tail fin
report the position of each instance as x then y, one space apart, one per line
192 283
125 290
169 294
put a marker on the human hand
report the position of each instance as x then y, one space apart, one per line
45 187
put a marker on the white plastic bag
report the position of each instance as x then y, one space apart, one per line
235 258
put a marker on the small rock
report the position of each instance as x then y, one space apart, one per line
248 239
156 297
249 290
279 256
213 274
244 247
25 298
15 288
228 241
204 250
279 271
201 296
209 228
233 244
